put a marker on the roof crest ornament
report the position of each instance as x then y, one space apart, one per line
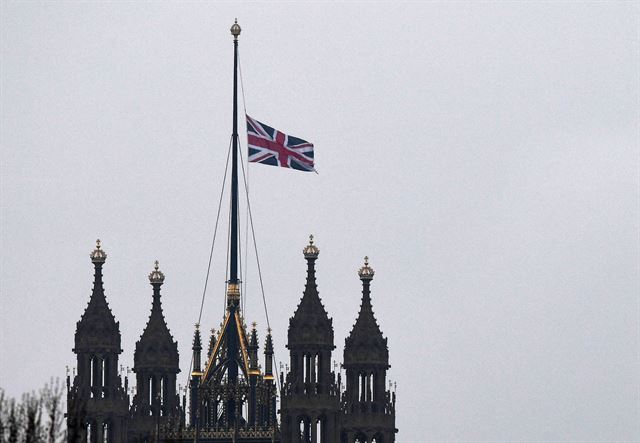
156 277
311 251
98 255
366 273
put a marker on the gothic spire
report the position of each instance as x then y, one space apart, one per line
97 327
310 323
156 347
366 335
97 392
268 356
196 348
212 342
98 303
253 348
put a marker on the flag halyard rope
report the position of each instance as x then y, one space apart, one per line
248 224
213 242
255 246
246 236
245 177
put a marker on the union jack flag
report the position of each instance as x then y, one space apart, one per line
272 147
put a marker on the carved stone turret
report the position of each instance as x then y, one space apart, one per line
310 400
212 343
97 404
366 345
310 325
196 375
156 364
368 409
97 328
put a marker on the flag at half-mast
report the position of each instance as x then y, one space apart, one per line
272 147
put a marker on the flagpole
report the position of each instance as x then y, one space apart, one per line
233 271
233 287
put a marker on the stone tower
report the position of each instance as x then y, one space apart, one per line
156 364
310 400
368 409
97 403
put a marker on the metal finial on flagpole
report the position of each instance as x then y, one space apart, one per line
235 30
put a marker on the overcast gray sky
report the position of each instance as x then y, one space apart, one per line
484 155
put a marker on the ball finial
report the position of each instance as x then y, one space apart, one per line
156 277
366 272
311 251
98 255
235 30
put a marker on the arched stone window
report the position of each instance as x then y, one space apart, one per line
321 424
103 376
362 385
313 364
207 412
304 427
152 389
306 367
92 376
374 383
106 438
319 378
244 409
